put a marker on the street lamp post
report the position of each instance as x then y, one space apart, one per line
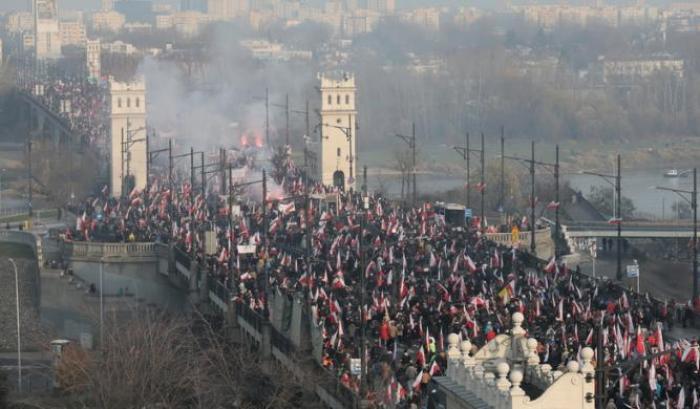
465 152
617 218
693 201
19 334
2 171
411 141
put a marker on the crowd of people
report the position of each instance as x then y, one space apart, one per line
411 279
82 104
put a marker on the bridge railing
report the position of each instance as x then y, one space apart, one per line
21 237
112 250
182 258
523 236
253 319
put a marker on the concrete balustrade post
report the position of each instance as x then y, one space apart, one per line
490 386
467 362
533 359
588 375
545 374
453 356
517 320
572 367
518 398
502 382
477 380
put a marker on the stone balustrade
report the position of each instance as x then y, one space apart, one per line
494 376
523 237
96 250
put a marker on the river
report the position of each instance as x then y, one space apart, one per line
638 185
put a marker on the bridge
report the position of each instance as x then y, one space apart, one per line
47 123
630 230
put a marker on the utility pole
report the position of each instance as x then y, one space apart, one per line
483 181
148 168
363 321
29 176
127 154
204 180
364 180
557 228
351 157
695 236
502 201
533 228
617 217
308 121
693 201
191 175
267 117
286 117
618 189
600 375
222 165
413 147
265 238
170 168
307 137
466 184
466 152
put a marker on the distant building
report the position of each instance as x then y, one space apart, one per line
428 17
127 136
47 35
108 21
93 62
136 10
119 47
72 33
266 50
611 71
188 23
164 21
194 5
550 15
19 21
27 42
107 5
221 9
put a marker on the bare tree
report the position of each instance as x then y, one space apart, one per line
156 360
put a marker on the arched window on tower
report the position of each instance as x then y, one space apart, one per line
338 152
330 100
138 102
119 102
338 99
347 99
128 102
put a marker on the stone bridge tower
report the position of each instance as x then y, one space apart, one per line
338 131
128 134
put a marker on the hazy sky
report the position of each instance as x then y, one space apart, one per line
6 5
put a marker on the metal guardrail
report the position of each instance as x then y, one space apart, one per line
253 319
182 258
217 288
281 342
